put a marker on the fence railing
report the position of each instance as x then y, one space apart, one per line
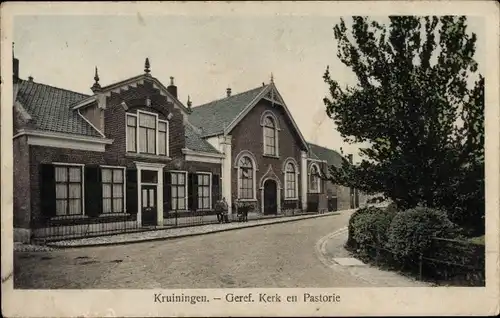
108 224
452 262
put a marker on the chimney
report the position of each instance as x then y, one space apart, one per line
189 104
30 78
349 157
228 91
172 89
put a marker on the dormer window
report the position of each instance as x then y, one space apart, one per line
147 134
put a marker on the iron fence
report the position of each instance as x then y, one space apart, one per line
63 228
450 262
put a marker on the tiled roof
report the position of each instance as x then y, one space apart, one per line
215 116
195 142
329 155
49 108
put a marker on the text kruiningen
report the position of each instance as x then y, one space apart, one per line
174 298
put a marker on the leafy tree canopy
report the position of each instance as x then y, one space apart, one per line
416 106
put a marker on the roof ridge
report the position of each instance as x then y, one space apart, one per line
55 87
326 148
227 97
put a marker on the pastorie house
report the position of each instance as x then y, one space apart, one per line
131 156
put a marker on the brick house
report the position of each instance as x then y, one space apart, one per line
124 157
267 162
131 155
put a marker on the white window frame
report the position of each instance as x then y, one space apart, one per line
254 170
158 120
274 119
124 190
82 167
136 133
166 137
318 188
186 188
209 190
296 174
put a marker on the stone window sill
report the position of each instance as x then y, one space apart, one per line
147 156
291 199
271 156
247 200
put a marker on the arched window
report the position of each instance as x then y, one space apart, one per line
270 140
290 181
246 178
314 180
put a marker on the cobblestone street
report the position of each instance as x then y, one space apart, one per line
278 255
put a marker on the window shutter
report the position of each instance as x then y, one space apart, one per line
216 195
93 190
131 191
193 191
47 190
167 192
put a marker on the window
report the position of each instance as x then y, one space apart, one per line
162 138
68 190
291 181
269 137
131 133
149 176
147 134
246 178
178 190
203 191
314 180
112 190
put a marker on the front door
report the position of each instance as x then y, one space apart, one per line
270 199
149 206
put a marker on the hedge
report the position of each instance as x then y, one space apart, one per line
368 226
411 232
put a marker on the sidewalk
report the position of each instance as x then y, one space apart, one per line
172 233
331 252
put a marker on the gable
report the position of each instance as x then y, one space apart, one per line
128 84
272 96
221 116
252 124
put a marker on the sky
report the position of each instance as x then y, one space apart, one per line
205 54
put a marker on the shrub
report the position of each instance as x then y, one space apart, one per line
392 208
368 226
411 232
371 228
351 243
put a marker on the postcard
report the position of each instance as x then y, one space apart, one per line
250 158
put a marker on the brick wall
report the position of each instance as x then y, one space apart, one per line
21 167
248 135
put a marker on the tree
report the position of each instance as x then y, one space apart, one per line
416 107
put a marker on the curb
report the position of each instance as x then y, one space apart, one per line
284 220
320 246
